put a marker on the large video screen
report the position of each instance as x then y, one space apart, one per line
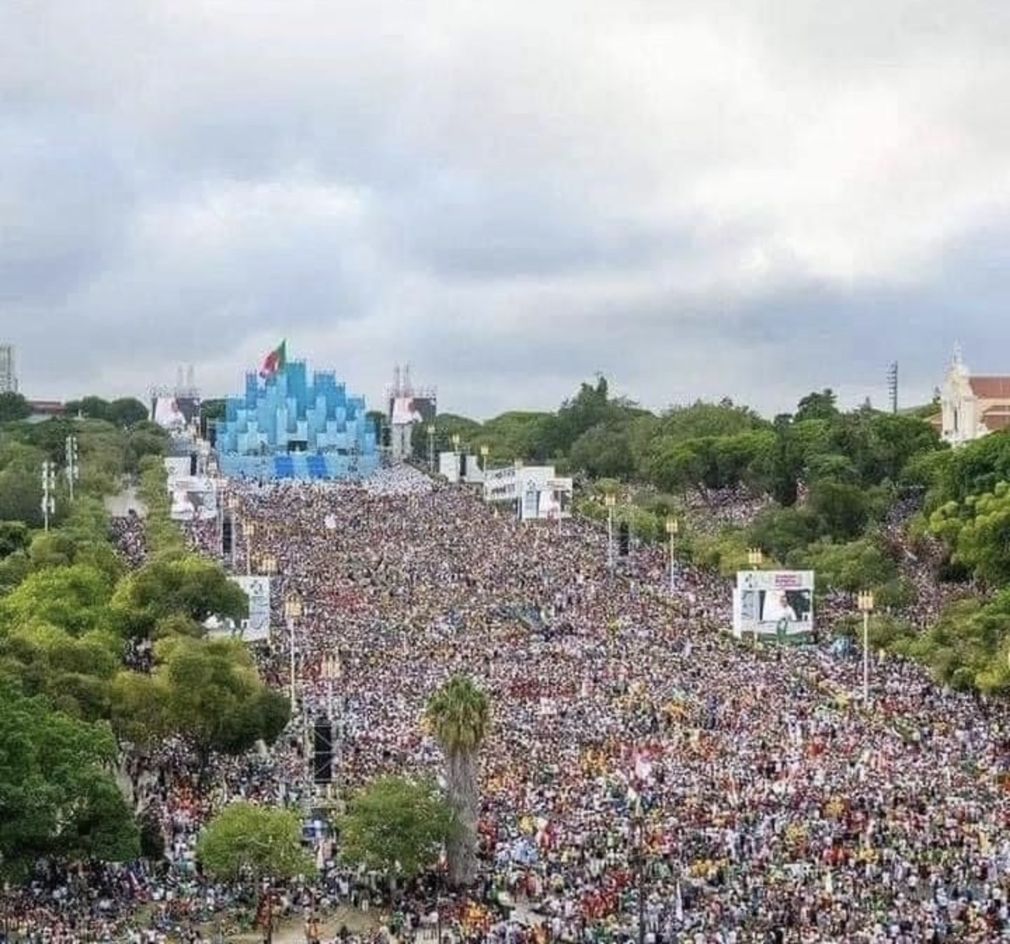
774 603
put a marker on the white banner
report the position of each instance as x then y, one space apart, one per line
257 627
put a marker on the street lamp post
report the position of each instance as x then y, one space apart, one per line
865 603
519 491
330 671
248 532
292 612
73 463
48 491
610 500
672 527
755 557
233 506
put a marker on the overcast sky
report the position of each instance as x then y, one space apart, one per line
749 198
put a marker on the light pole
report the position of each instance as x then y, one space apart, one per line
484 450
610 500
519 489
330 672
755 557
865 603
248 532
672 527
48 491
431 447
73 469
292 612
233 506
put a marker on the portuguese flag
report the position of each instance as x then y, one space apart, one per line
275 361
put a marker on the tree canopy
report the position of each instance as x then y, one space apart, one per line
55 795
396 826
246 842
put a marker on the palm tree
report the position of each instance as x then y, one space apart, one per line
458 713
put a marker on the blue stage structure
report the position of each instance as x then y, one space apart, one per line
289 428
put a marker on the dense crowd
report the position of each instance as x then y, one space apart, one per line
636 749
642 766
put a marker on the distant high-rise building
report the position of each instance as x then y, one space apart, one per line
8 375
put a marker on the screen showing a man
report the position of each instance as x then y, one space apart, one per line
793 606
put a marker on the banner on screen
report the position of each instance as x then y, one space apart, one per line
774 603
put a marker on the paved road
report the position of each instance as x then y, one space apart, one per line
119 506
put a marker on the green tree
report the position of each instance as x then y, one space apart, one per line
676 466
14 537
701 420
859 565
604 450
516 434
396 826
211 413
967 648
817 406
126 412
13 407
21 496
140 442
179 584
978 532
57 800
782 531
215 696
249 844
73 598
378 419
976 467
95 408
459 715
842 510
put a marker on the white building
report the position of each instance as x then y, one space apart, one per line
8 373
972 406
534 491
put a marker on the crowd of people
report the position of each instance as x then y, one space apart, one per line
643 769
637 750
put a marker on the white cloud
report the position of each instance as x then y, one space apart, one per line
500 190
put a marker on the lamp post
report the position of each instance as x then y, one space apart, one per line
73 469
48 491
248 532
233 506
519 490
292 612
430 429
610 500
484 450
755 558
330 672
865 603
672 527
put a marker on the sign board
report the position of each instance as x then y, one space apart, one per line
774 604
257 627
